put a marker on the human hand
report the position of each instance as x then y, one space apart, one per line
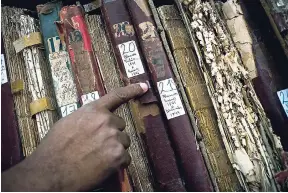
80 151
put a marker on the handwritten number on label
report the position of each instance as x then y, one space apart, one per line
170 86
131 48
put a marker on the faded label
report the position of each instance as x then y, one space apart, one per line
170 98
87 98
54 44
4 77
63 82
68 109
148 31
123 29
283 97
131 59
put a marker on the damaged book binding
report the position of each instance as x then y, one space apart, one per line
145 110
183 139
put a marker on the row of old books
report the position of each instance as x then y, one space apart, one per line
204 123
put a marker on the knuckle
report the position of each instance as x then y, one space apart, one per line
113 133
106 119
118 151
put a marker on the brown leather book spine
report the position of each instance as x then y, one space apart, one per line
193 166
10 140
145 110
74 33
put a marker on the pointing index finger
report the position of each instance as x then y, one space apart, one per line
122 95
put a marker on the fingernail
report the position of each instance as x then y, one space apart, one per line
144 86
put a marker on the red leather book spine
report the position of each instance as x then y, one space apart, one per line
74 32
10 140
185 145
133 70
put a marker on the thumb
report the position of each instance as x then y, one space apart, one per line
122 95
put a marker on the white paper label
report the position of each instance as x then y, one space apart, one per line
131 59
4 77
87 98
68 109
170 98
64 86
283 97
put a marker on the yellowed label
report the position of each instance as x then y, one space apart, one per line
40 105
26 41
17 86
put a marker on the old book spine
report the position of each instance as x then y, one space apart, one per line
60 65
43 105
11 153
253 51
84 64
74 33
198 98
19 80
145 110
139 169
193 166
234 99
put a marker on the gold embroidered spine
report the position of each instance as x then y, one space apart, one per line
139 169
198 96
16 68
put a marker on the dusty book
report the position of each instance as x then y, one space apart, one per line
43 105
146 112
237 107
198 96
254 53
58 57
191 162
18 80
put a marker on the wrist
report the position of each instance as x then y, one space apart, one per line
30 175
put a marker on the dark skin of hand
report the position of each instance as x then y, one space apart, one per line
80 151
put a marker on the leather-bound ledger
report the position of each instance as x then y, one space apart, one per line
145 110
199 99
139 170
18 80
59 61
183 139
11 153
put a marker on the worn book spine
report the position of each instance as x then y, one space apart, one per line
73 32
193 166
11 153
253 52
139 169
59 61
234 99
18 80
145 110
198 97
83 61
43 105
